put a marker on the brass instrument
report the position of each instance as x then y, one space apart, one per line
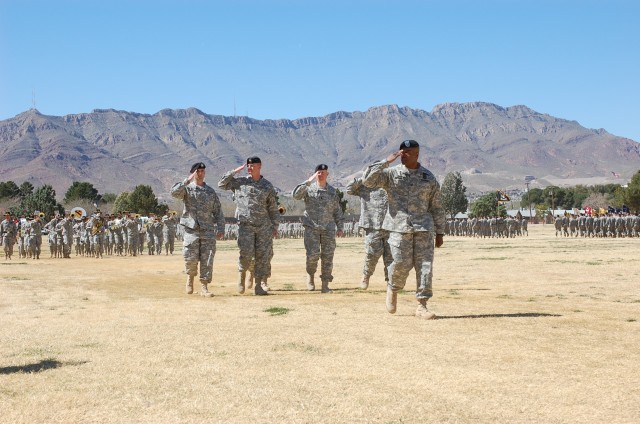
96 227
116 224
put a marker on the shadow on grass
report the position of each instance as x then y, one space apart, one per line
338 290
516 315
44 365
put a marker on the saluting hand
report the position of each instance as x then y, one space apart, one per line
393 156
313 177
240 168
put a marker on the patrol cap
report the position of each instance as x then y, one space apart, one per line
198 165
322 167
407 144
253 159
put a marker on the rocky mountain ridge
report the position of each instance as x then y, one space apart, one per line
492 146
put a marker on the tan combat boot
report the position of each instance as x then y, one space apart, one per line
364 284
423 312
265 286
250 281
258 290
310 284
325 287
189 288
241 278
204 291
392 300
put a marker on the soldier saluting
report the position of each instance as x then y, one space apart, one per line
415 220
322 219
203 222
258 219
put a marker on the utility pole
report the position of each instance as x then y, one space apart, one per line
528 198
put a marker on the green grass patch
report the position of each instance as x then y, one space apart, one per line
276 310
490 258
562 261
298 347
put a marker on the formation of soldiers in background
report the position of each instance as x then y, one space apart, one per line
492 227
121 234
129 234
607 225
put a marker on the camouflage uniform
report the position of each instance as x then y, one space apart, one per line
55 237
373 208
35 238
65 227
95 227
415 215
258 217
131 225
322 218
169 233
77 237
202 219
116 229
8 233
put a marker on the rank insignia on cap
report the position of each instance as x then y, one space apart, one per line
407 144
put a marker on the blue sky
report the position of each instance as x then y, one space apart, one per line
576 60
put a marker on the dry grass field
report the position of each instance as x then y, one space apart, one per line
535 329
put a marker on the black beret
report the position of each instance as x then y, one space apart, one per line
407 144
253 159
322 167
198 165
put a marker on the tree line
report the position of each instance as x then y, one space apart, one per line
26 199
597 197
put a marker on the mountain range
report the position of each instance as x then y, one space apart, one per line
493 147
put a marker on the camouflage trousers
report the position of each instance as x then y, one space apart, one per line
320 244
97 244
255 242
7 243
376 244
132 243
196 249
169 241
119 242
67 244
35 244
412 250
